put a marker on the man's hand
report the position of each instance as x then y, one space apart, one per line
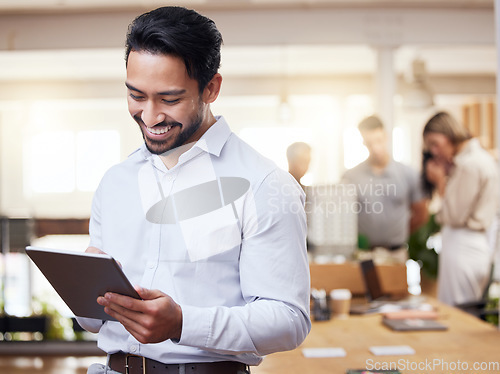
94 250
153 319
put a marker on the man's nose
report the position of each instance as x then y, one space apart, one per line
152 115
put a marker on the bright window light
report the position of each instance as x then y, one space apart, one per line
272 142
96 152
354 150
65 161
50 162
357 107
398 144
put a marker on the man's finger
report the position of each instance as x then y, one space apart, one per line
136 329
123 314
147 294
125 302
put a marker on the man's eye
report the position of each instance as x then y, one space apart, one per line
170 102
135 97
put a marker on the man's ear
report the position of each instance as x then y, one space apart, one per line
211 91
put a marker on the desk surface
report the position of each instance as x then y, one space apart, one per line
466 343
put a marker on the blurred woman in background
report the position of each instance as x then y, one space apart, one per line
466 178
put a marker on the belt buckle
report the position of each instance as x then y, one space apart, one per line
127 356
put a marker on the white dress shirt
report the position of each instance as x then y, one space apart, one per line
238 269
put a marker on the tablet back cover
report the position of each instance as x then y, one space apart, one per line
79 278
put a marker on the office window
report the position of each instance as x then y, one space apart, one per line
50 162
400 146
354 150
66 161
272 142
96 152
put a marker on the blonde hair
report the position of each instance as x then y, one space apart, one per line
444 123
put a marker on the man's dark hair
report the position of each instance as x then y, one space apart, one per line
370 123
179 32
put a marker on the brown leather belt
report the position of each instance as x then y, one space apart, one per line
133 364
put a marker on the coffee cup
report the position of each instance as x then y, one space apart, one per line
340 302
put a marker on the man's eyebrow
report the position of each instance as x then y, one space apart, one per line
163 93
132 88
172 92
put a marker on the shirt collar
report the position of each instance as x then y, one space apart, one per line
212 141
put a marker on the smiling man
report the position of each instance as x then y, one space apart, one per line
192 217
186 115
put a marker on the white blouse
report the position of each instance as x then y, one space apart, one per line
472 192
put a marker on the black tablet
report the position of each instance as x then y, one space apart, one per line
80 278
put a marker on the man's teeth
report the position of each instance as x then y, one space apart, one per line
163 130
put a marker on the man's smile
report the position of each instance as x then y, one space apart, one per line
158 130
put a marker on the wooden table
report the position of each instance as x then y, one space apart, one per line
466 343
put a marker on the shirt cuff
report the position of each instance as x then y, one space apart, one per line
90 324
196 326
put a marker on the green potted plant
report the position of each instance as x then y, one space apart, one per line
422 250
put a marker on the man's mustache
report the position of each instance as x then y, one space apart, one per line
139 120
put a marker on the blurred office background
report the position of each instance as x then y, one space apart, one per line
294 70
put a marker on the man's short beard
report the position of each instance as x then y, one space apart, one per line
159 148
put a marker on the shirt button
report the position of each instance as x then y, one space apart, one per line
133 348
151 265
170 178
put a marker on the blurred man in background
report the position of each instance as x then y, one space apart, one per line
299 158
390 196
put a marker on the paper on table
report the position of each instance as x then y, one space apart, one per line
323 352
388 350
